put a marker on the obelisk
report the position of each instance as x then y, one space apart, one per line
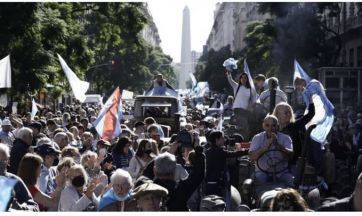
186 64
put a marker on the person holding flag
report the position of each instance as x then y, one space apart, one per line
314 93
244 94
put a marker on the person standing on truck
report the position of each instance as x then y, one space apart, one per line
159 86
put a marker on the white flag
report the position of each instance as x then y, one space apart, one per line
34 109
78 86
5 72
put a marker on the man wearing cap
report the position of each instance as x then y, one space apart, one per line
149 196
46 180
6 135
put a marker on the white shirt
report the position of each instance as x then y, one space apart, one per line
135 166
242 97
71 201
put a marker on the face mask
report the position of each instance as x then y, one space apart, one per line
78 181
120 198
148 151
3 165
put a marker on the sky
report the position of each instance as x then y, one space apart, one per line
167 15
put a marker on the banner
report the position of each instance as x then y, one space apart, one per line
5 72
34 109
78 86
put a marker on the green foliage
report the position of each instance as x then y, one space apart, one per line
258 52
295 32
210 68
86 35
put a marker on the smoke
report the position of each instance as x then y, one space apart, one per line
297 36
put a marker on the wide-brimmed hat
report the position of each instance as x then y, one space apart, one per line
149 187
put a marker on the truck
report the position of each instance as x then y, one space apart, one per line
166 110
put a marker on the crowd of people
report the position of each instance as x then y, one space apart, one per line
60 162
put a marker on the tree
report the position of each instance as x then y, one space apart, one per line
210 68
258 52
298 32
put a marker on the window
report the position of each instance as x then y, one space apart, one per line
332 82
344 57
351 57
359 56
350 82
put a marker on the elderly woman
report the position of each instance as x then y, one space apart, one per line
293 127
73 197
61 139
119 197
90 162
77 141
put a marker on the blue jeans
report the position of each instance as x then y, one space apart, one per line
285 177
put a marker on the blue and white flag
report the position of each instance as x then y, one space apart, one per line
300 73
6 185
230 64
254 95
323 108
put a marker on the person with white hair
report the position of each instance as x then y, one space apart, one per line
273 92
179 194
271 151
21 146
23 199
6 135
119 197
61 139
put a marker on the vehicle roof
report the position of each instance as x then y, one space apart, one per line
158 96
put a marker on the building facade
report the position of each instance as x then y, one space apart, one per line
150 31
230 21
